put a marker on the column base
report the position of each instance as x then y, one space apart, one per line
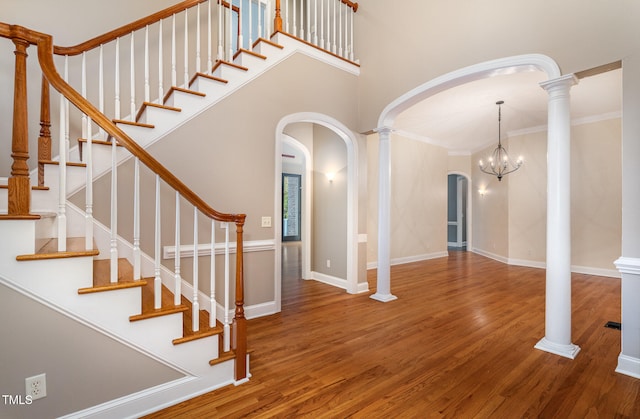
385 298
567 351
628 365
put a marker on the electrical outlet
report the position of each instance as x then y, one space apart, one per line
36 386
266 222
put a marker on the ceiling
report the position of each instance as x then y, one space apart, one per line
464 119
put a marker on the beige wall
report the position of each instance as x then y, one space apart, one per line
404 46
510 220
329 204
418 199
83 367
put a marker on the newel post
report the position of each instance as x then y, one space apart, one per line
277 21
239 321
44 140
19 185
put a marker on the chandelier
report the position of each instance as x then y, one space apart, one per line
499 163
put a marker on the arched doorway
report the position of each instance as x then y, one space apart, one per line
350 282
458 212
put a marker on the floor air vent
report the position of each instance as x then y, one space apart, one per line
613 325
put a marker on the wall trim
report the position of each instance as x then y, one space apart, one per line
411 259
490 255
628 265
204 249
329 280
628 366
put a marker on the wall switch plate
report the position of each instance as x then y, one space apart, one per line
36 386
266 221
328 263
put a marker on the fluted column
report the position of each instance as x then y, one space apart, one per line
383 289
557 337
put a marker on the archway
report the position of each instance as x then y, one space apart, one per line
351 281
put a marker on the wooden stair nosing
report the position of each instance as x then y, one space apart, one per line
246 51
132 123
47 249
164 311
155 105
180 89
33 187
148 309
114 286
207 76
100 142
226 356
57 163
202 333
227 63
265 40
102 277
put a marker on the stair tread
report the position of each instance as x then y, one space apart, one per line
69 163
48 249
207 76
132 123
167 304
101 142
225 356
205 330
146 105
227 63
246 51
33 187
265 40
180 89
102 278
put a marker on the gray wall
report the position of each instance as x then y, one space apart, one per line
83 367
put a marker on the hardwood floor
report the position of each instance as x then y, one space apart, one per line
457 343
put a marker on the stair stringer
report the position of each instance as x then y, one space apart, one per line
55 282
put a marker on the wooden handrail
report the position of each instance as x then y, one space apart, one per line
351 4
126 29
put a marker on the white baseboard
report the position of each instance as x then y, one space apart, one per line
628 366
260 310
411 259
329 280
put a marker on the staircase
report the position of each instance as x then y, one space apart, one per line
59 255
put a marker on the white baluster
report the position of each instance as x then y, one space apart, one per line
209 39
101 86
322 23
136 221
286 16
198 59
117 81
132 81
67 114
240 34
177 292
315 22
295 19
147 86
195 316
260 19
88 217
212 298
160 64
340 8
227 320
114 213
83 90
62 182
174 73
157 282
220 32
351 55
308 6
230 23
334 19
186 49
251 23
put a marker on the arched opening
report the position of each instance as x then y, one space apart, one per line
348 175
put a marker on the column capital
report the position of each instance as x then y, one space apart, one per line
563 82
384 131
627 265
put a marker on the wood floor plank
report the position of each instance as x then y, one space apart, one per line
458 342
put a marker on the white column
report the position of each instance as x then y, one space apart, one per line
383 292
557 339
